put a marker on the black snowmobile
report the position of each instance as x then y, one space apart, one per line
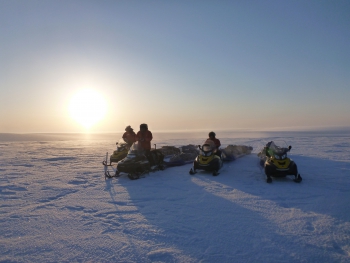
139 162
119 154
207 160
276 163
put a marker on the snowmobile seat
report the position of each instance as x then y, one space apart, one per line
155 157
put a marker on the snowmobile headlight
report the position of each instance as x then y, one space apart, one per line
284 156
277 157
206 154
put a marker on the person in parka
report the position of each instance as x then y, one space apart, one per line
129 135
216 142
144 137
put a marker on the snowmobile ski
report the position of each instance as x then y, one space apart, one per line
133 176
107 173
216 173
298 179
192 171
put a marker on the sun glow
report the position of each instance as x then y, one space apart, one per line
87 107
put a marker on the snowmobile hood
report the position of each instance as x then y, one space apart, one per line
135 151
204 160
280 164
121 145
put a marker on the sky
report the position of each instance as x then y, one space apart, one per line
175 65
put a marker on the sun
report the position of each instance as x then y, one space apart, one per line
87 107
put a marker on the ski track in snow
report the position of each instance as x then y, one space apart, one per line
57 207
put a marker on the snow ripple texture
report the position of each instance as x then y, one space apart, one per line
56 206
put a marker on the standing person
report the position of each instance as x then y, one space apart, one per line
144 136
216 142
129 135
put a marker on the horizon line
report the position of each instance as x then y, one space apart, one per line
272 129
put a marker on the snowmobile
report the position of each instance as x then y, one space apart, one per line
276 163
207 160
118 155
121 152
139 162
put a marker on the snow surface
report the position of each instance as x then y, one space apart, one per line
56 205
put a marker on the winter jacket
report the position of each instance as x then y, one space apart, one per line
216 141
144 138
129 137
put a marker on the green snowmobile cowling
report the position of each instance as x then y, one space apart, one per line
121 152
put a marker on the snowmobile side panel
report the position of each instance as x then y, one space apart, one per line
118 156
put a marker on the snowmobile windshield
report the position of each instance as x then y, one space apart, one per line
121 145
278 149
207 150
134 151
